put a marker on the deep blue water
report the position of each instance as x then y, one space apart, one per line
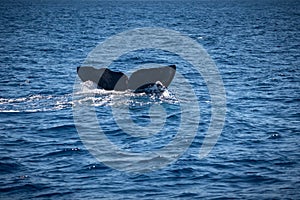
254 44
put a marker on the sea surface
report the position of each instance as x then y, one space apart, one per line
255 45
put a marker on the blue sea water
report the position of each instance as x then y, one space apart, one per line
254 44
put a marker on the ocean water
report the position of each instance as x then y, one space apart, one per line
256 48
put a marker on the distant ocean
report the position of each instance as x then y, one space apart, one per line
256 48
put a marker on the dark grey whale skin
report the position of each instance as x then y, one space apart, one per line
140 79
104 78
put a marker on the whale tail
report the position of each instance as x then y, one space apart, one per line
140 79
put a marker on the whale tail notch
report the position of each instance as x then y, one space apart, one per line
140 79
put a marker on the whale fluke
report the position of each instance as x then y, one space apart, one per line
138 81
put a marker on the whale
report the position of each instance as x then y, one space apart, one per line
139 81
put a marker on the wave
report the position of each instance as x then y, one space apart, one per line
35 103
88 93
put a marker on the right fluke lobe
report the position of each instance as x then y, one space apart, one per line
145 77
